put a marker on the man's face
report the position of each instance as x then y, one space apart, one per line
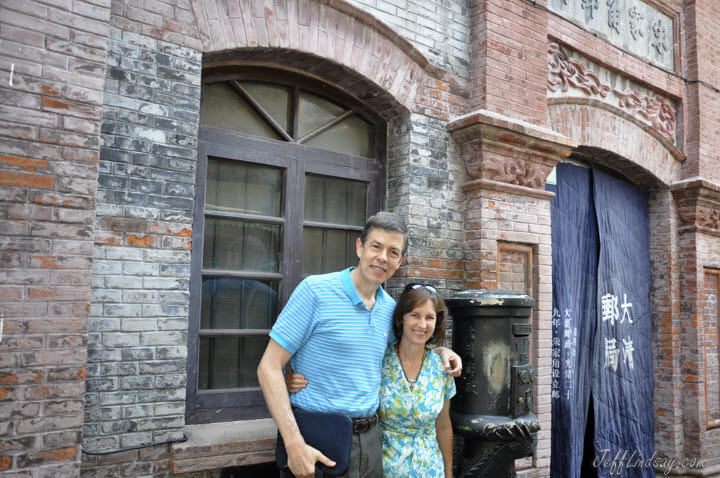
380 256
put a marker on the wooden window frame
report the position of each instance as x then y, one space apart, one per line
296 161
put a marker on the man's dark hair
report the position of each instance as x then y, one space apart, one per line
388 222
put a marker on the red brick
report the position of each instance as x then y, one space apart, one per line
27 180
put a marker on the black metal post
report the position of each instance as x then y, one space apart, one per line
493 407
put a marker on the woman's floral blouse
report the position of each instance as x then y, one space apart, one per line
407 417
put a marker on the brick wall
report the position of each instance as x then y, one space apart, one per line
496 222
440 28
703 99
665 300
425 176
140 296
52 67
508 63
706 324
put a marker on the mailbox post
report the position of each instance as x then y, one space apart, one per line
493 407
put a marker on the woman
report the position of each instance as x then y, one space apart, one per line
415 391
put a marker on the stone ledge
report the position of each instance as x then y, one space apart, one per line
219 445
511 131
497 148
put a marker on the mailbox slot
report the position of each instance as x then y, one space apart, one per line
521 396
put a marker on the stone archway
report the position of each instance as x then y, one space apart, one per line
309 35
637 150
613 139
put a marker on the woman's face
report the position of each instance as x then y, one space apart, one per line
419 323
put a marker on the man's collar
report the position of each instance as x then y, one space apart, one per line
352 292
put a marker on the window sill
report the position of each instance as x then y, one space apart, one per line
220 445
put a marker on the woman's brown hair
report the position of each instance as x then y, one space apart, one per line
415 295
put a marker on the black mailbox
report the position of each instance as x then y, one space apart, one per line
493 407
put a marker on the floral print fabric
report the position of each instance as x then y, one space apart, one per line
407 417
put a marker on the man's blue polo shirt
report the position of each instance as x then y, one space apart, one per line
336 342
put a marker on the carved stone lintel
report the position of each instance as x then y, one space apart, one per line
654 109
564 72
698 205
495 147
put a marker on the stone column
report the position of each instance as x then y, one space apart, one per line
507 240
698 205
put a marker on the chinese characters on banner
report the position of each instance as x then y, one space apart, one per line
563 351
614 351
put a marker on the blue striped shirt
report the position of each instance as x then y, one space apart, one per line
336 342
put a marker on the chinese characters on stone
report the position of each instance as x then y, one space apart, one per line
613 350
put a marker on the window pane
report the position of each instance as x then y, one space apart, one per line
328 250
243 188
222 107
231 303
274 99
351 136
335 201
230 362
314 112
241 245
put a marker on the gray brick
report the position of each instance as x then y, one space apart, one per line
118 426
138 353
139 325
161 423
167 257
174 297
162 366
100 443
175 50
158 84
133 144
163 338
171 352
164 395
122 310
179 189
133 117
175 324
170 381
117 398
177 101
136 439
136 91
119 368
101 384
172 408
137 383
112 339
135 411
97 354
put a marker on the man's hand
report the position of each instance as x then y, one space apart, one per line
451 361
301 456
294 381
302 459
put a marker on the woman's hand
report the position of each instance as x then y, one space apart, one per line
294 381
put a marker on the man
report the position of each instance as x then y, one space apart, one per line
335 327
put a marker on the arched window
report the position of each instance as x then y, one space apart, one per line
288 170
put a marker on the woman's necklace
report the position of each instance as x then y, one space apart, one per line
411 382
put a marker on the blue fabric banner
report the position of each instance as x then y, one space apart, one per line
574 255
601 325
623 382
